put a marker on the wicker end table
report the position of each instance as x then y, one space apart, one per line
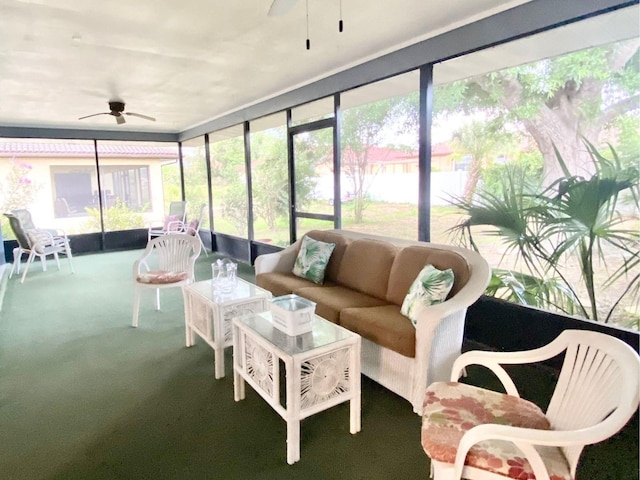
322 369
208 314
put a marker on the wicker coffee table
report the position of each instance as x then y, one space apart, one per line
322 369
208 314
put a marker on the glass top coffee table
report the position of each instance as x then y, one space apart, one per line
208 314
322 369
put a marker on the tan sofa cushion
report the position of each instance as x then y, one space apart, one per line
333 267
366 265
385 326
331 300
410 260
283 283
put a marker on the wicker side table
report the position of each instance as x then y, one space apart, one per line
209 315
322 369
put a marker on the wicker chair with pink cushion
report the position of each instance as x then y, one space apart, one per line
167 262
470 432
174 222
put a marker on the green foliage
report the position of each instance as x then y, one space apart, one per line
494 174
17 190
116 218
575 220
363 128
561 99
270 176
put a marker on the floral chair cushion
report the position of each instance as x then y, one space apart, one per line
431 286
161 277
313 257
450 409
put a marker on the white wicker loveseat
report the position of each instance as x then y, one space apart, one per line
365 283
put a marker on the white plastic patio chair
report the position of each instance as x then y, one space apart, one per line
470 432
174 222
167 261
36 243
193 227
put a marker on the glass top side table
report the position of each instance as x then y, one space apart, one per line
322 369
208 314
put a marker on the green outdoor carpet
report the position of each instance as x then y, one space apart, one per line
85 396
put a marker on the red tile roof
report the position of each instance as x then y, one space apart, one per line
40 149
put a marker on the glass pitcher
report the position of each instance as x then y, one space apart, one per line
224 274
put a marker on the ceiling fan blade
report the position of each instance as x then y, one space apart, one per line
146 117
94 115
281 7
120 119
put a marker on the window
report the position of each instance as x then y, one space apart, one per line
131 180
270 180
229 181
503 121
196 185
53 179
379 146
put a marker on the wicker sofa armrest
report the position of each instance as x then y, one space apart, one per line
440 329
277 262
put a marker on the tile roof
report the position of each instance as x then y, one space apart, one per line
85 149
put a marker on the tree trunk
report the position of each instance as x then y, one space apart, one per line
558 122
473 177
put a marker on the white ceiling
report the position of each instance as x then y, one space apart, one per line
186 62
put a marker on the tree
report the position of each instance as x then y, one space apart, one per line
229 181
270 176
481 140
362 129
17 190
557 100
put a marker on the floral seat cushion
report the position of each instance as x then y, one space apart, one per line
161 277
451 409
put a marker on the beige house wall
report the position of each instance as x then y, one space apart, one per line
42 207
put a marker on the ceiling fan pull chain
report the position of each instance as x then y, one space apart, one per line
308 41
340 24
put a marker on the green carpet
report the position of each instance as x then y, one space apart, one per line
85 396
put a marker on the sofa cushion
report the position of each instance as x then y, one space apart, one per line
283 283
366 265
430 287
331 300
410 260
341 242
384 325
312 259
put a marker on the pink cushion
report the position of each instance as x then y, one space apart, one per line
192 228
161 276
451 409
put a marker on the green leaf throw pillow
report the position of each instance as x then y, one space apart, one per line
312 259
431 286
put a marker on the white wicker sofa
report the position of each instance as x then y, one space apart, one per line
366 280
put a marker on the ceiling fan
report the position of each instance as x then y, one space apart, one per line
117 110
282 7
